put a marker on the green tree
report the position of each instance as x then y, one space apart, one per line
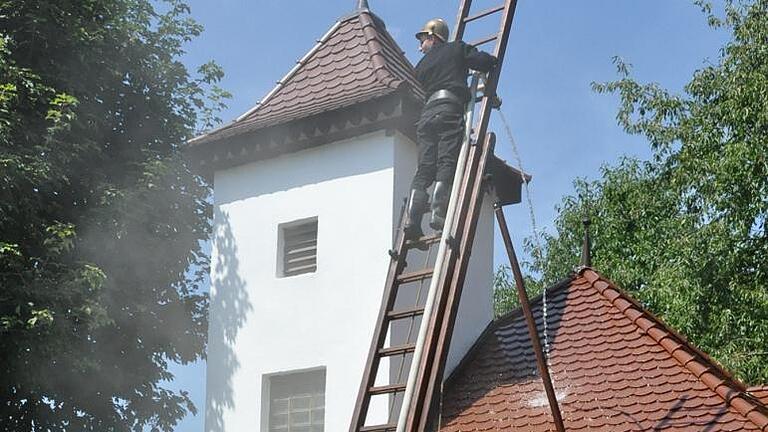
505 296
101 221
687 232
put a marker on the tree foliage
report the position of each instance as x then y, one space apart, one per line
100 219
505 295
687 231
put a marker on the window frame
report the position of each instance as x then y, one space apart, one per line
283 233
268 384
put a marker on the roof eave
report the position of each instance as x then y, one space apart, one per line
391 111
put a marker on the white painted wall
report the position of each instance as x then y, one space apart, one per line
476 306
262 325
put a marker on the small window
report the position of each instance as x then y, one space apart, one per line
297 253
297 402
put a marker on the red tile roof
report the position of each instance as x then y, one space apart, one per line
760 392
615 367
357 60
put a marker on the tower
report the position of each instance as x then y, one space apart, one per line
308 187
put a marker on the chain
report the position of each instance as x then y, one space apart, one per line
536 238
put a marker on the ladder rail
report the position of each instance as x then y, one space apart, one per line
453 295
396 266
439 264
419 405
461 24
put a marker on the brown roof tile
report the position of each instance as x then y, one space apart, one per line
615 367
357 60
760 392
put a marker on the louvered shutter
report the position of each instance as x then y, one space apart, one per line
300 248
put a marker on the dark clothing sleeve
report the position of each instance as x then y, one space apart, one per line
478 60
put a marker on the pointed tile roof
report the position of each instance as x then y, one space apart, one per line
615 367
355 61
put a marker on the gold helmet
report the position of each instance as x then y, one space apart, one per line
436 27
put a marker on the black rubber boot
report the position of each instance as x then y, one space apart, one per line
440 196
416 206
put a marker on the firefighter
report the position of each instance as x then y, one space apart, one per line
442 72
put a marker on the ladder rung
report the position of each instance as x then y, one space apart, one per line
379 428
392 388
407 313
428 240
397 350
484 40
484 13
415 276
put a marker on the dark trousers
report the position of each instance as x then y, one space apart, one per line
439 132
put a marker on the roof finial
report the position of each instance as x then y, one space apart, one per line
586 249
362 4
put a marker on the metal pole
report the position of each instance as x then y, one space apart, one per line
586 248
534 333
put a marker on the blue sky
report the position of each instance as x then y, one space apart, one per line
557 48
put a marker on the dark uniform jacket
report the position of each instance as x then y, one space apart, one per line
446 66
440 129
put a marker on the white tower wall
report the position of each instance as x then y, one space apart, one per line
262 324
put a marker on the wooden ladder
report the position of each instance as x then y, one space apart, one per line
445 267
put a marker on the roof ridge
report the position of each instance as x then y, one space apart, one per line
299 63
759 392
370 30
404 69
380 44
691 358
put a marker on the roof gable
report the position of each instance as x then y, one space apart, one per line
355 61
614 366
